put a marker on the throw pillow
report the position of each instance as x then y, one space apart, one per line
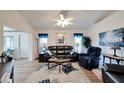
49 52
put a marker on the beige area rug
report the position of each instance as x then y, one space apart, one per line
43 73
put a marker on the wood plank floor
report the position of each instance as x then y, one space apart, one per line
23 68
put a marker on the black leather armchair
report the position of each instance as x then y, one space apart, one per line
74 57
91 59
113 73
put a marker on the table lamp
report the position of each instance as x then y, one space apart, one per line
115 48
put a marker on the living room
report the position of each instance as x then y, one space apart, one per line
46 33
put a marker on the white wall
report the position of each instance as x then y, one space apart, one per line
1 39
14 20
112 22
21 43
35 45
16 45
32 48
68 33
24 45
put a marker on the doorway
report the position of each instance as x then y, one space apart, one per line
17 41
23 45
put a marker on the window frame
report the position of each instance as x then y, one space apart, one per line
11 43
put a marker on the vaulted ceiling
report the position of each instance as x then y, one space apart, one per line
45 19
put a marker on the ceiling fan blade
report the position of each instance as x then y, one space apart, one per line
63 25
70 23
61 17
67 22
69 19
58 23
63 22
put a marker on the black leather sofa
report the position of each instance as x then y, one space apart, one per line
91 59
61 52
113 73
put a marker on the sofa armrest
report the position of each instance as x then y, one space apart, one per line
46 57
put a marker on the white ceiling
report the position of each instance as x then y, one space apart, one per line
44 19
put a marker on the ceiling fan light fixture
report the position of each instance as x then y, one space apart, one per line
63 22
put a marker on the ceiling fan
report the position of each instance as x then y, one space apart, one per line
63 22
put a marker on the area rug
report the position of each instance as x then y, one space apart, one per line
53 75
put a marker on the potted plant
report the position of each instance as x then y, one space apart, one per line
86 41
77 45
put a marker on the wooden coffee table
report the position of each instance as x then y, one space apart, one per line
59 62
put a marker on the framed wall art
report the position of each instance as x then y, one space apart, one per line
61 39
112 38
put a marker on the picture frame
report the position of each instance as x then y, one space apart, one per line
112 38
61 39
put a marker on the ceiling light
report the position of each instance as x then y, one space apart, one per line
63 22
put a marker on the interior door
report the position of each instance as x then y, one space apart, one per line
24 46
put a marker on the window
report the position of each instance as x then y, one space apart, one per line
78 42
42 42
8 42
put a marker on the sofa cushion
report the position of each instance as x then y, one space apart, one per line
114 77
115 68
61 51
